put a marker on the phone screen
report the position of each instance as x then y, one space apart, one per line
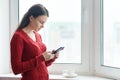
59 49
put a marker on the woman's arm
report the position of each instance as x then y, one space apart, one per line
18 66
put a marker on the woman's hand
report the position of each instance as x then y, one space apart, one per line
56 55
47 55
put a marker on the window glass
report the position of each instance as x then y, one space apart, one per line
63 27
111 33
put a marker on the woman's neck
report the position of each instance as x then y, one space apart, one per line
28 29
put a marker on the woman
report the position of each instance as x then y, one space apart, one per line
28 53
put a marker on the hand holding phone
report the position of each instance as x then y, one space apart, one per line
59 49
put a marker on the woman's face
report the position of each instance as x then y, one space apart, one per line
38 22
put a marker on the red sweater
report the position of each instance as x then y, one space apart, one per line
27 58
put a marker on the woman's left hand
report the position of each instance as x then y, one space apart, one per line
54 56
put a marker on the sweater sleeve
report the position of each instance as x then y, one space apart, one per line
48 63
19 66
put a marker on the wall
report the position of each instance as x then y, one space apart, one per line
4 37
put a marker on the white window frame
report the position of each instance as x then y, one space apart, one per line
87 31
100 69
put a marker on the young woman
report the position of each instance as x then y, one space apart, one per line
28 53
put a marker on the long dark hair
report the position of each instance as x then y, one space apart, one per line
35 11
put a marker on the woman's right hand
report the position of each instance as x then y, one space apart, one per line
47 55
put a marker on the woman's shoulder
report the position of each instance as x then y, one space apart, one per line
18 33
17 36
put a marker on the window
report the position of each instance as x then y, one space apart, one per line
107 38
111 33
97 18
63 27
76 27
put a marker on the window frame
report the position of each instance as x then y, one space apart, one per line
87 38
101 70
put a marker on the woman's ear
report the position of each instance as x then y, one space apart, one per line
31 18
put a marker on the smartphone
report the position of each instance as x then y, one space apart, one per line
57 50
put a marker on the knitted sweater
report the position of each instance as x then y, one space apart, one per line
27 58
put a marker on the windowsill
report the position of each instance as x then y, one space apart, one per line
53 77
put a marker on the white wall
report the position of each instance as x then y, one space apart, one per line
4 37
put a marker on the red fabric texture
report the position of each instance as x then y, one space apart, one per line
27 58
